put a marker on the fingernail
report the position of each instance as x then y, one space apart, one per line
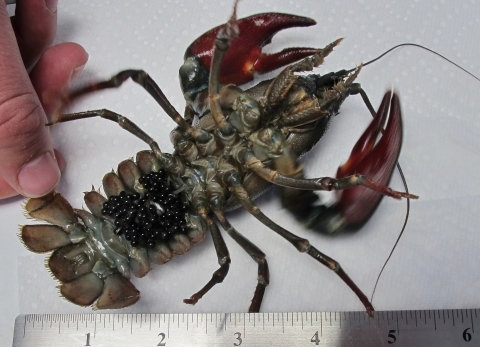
39 176
51 5
77 71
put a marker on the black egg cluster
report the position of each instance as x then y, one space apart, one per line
145 218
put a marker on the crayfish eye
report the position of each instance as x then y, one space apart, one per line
193 76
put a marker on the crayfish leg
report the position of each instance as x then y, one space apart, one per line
263 274
223 260
301 244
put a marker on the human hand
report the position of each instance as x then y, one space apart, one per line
28 163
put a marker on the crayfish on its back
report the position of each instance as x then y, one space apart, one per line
231 145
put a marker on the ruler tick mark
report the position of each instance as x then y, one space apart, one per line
471 320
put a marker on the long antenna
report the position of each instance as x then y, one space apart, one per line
407 214
418 46
398 165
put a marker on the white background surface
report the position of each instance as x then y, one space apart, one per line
435 264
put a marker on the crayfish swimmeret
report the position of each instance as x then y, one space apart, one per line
231 145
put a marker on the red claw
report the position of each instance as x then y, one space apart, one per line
374 158
245 56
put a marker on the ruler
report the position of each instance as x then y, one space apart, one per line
387 328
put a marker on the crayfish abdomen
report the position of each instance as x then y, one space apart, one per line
111 240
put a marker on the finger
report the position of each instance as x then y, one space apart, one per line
54 71
27 159
6 190
60 160
35 25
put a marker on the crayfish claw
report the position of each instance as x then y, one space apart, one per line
374 156
245 57
362 181
269 62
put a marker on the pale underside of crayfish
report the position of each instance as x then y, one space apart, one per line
244 141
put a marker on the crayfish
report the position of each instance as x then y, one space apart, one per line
231 145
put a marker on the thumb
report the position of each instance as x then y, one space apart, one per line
27 159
